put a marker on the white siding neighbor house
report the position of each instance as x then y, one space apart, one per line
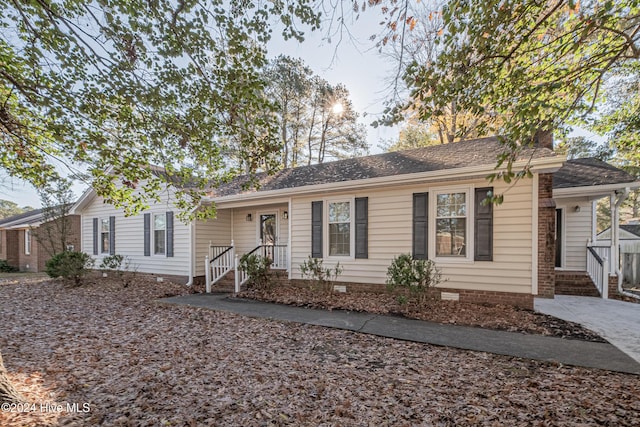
362 213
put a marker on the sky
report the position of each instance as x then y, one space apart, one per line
352 62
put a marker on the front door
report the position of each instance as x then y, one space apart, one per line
268 234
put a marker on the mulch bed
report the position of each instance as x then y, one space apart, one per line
499 317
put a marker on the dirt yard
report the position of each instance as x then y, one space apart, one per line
107 355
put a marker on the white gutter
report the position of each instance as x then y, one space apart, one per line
614 236
543 165
593 190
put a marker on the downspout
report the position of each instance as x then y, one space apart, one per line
191 249
614 234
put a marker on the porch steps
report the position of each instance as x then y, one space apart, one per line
575 283
226 285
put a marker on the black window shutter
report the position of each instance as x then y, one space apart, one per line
147 234
420 225
316 229
362 227
112 235
95 236
483 226
169 234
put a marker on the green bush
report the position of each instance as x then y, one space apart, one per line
6 268
417 276
257 268
120 266
70 266
321 277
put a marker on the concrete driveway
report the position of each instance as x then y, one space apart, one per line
616 321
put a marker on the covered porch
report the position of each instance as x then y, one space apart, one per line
578 248
237 231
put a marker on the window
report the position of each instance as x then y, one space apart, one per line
159 234
339 228
27 242
105 230
451 224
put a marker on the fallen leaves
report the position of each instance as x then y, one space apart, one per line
135 362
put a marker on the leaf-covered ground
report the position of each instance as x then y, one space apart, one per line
128 361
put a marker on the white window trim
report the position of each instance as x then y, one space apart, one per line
100 251
27 242
153 235
352 232
470 198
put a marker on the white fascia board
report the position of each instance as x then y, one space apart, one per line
83 201
542 165
593 191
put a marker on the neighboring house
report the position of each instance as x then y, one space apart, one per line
629 251
629 237
20 245
362 213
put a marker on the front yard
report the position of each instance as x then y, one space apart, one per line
117 358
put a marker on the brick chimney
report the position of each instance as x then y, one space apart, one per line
546 222
543 138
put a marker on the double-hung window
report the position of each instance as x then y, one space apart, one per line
159 234
339 221
105 230
451 224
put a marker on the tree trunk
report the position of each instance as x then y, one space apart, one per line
8 393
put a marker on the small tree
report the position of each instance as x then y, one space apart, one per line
417 276
54 235
322 278
69 265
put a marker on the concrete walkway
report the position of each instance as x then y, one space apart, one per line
616 321
537 347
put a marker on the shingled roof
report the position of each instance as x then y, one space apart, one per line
589 172
476 152
26 218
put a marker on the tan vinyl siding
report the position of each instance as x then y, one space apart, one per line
390 234
217 231
246 234
129 237
577 231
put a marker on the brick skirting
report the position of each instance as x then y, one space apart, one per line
464 295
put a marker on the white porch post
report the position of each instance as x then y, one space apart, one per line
207 274
236 274
594 222
605 278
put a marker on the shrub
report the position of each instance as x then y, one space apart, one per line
417 276
257 268
6 268
70 266
120 266
322 278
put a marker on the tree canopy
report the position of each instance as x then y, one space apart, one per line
115 86
534 64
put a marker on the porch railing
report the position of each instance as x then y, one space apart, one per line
219 262
598 267
223 259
